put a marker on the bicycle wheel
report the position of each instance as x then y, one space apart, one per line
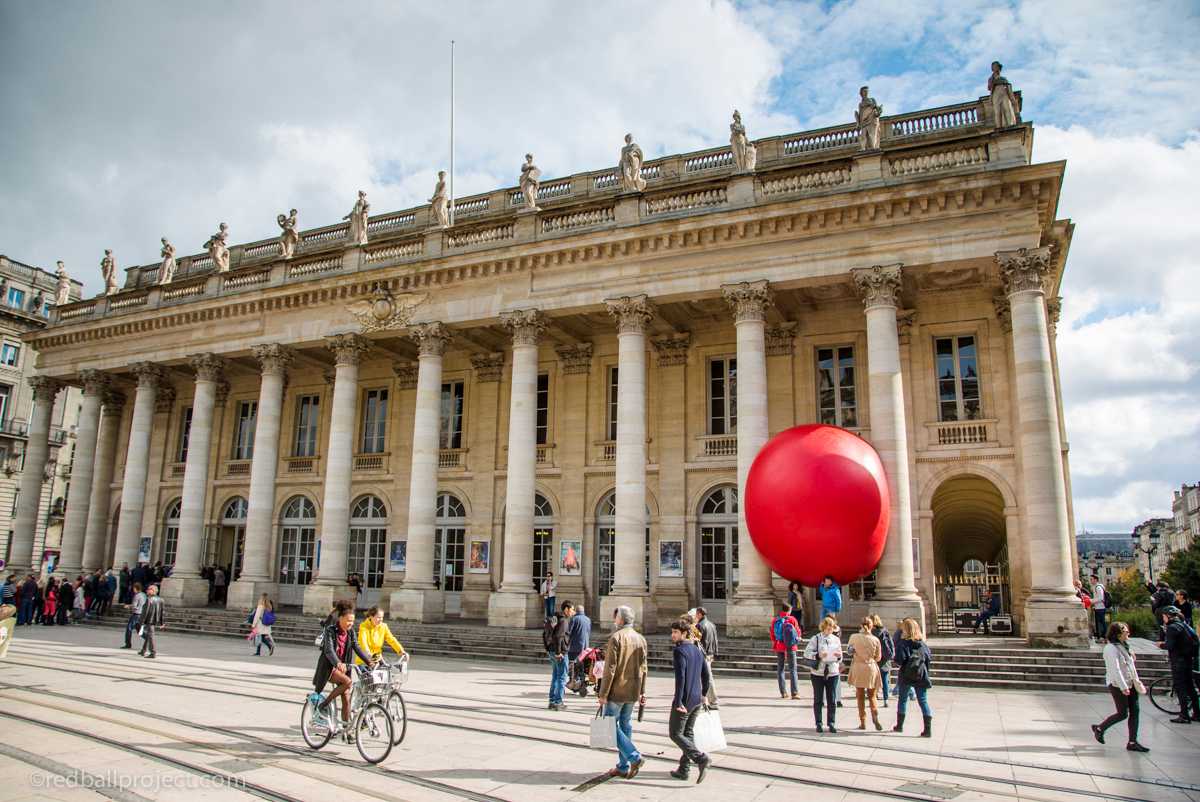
373 733
316 734
398 713
1162 695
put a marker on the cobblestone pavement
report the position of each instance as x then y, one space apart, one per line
207 720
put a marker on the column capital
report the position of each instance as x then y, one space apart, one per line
149 375
905 318
575 358
877 285
488 367
113 402
406 374
781 339
749 300
672 349
1003 311
273 358
94 382
1053 313
208 367
44 388
164 399
632 313
432 338
1023 270
526 325
348 349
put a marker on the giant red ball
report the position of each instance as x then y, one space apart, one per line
817 504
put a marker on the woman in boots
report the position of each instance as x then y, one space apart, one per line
1121 677
913 659
824 653
864 671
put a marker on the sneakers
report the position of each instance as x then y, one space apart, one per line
1134 746
820 729
1098 733
635 768
556 706
150 656
1181 720
679 774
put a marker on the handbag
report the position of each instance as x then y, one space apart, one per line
268 617
603 733
707 733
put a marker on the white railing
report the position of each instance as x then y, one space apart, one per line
472 206
318 266
480 235
401 250
606 181
686 200
961 433
939 120
322 237
821 140
389 221
559 189
449 458
200 263
938 160
266 249
652 172
125 302
247 279
171 292
720 445
708 161
805 182
566 222
77 310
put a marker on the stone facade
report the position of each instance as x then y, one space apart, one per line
583 386
1105 555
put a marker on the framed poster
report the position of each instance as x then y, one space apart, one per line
144 550
398 556
480 557
670 558
570 558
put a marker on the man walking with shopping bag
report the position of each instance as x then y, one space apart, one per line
691 686
623 685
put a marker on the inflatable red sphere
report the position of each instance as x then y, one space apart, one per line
817 505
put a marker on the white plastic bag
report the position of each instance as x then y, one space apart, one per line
708 734
604 732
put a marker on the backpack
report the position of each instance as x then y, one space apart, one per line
913 671
1107 599
784 632
887 649
548 639
268 617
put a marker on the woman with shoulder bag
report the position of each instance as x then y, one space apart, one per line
823 656
913 659
864 672
887 649
264 618
1124 684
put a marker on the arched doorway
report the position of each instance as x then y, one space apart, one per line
367 545
297 549
970 549
543 541
110 545
605 545
228 547
449 550
717 550
168 545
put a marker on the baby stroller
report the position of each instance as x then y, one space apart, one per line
586 671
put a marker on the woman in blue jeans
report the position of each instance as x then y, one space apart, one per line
913 660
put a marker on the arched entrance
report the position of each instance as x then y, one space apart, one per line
449 550
543 540
168 545
297 549
367 544
970 549
228 546
717 550
605 545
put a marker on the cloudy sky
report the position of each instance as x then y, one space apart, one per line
127 121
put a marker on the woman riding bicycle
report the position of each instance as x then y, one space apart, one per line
373 634
337 645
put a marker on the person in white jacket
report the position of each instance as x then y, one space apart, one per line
824 655
1120 674
261 628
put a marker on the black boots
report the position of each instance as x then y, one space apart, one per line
928 731
899 723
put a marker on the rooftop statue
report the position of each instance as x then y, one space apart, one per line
1006 106
108 269
62 293
867 117
288 238
217 248
745 155
166 271
441 201
356 233
630 166
530 181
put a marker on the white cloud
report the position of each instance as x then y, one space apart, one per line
1133 501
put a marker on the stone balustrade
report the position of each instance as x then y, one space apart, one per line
390 222
261 250
935 161
825 139
961 433
708 161
247 278
924 122
566 222
470 207
807 181
683 201
479 236
316 266
719 445
400 250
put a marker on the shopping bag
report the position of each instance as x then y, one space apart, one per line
604 731
708 734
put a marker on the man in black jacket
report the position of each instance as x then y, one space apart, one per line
1182 645
558 643
691 686
709 645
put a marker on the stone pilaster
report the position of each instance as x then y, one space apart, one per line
96 532
575 359
37 451
670 594
488 367
95 385
673 349
150 379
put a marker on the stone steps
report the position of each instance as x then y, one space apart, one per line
985 667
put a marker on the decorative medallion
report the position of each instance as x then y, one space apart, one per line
385 311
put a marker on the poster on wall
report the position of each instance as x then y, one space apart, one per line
49 561
480 559
670 558
398 557
144 550
916 558
570 561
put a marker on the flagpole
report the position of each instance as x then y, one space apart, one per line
451 132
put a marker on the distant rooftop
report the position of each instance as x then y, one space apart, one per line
1088 543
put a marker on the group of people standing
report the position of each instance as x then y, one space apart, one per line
59 600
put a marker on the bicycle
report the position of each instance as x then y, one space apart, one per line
1162 693
384 689
370 722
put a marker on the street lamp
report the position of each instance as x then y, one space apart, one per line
1149 552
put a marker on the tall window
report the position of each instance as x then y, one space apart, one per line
543 408
610 406
297 542
722 396
170 543
10 355
16 298
958 379
368 540
5 395
308 413
543 538
452 415
185 432
835 386
243 435
374 428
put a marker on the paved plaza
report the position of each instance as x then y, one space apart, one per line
75 708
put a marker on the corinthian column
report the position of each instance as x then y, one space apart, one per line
256 564
184 587
137 455
516 604
632 315
417 599
749 300
96 533
1051 612
348 350
37 451
95 384
895 592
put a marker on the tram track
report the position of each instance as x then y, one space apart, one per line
541 724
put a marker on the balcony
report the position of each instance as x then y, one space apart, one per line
451 459
371 463
237 467
14 428
545 454
177 470
959 434
301 465
718 445
608 451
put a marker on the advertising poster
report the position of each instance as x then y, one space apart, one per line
480 558
398 558
670 558
570 561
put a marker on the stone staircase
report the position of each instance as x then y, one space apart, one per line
1007 665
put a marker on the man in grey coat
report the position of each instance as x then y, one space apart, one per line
708 644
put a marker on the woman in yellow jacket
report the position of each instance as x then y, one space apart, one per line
373 634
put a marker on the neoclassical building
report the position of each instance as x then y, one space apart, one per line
576 374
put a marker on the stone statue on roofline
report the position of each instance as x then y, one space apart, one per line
868 117
166 270
630 166
62 293
530 181
440 202
1006 106
745 155
356 233
217 248
108 269
288 238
